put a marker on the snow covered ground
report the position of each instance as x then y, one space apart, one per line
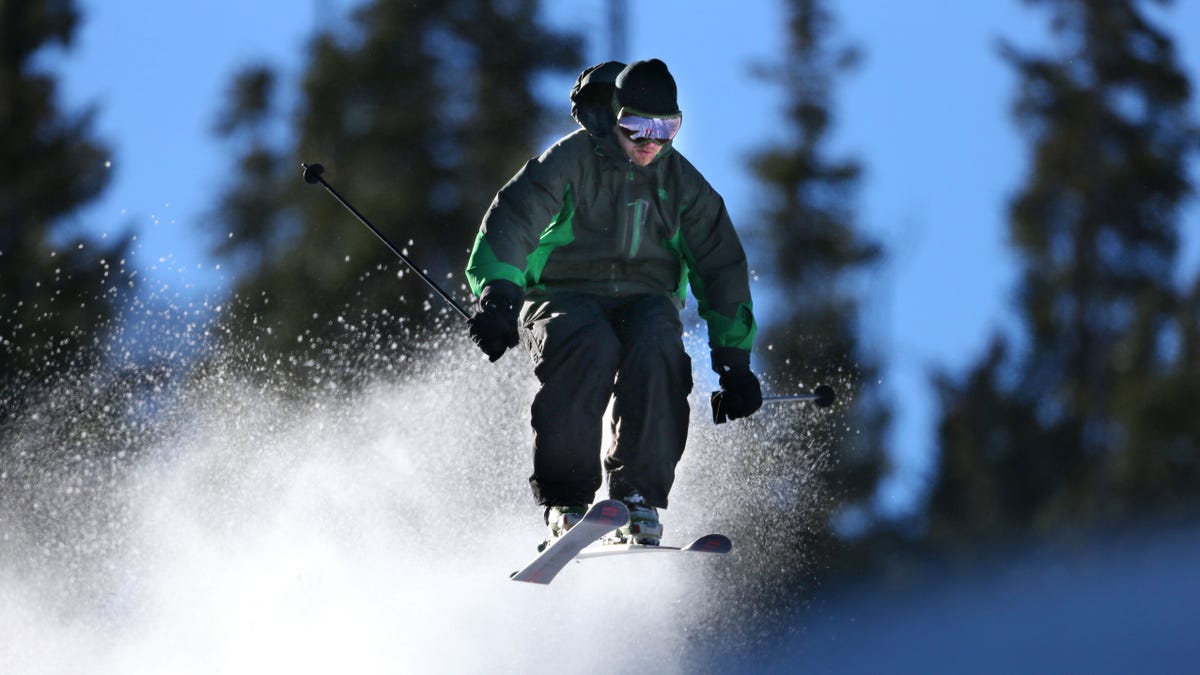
1125 603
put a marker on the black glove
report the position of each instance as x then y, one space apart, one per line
494 325
740 393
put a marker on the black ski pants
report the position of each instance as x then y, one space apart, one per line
586 350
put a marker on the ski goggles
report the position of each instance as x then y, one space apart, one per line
642 130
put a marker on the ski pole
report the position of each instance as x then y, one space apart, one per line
312 175
822 397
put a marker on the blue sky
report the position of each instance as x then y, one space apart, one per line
937 177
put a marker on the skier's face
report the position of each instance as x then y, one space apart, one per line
639 154
642 137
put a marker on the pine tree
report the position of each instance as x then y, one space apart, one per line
57 288
419 112
60 292
812 336
1084 419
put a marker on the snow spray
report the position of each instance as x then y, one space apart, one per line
216 520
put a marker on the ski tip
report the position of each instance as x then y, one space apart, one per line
608 512
534 576
711 543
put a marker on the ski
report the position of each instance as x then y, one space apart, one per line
604 517
709 543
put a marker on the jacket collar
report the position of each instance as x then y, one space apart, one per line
608 146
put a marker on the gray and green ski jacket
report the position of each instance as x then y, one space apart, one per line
583 217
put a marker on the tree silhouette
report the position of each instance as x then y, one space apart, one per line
1084 417
58 288
419 112
815 256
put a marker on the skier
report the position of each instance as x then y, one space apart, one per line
584 256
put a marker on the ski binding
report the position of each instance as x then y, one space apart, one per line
579 543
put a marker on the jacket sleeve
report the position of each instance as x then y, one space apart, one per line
528 205
717 269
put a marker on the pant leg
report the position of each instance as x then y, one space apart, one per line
575 353
650 408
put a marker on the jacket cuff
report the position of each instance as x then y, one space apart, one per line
501 293
725 359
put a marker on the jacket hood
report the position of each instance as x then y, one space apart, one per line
592 97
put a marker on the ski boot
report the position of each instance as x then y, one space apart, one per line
643 527
560 519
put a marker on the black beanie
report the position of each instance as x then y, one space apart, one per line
647 87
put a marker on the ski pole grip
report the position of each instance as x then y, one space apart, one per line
823 397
